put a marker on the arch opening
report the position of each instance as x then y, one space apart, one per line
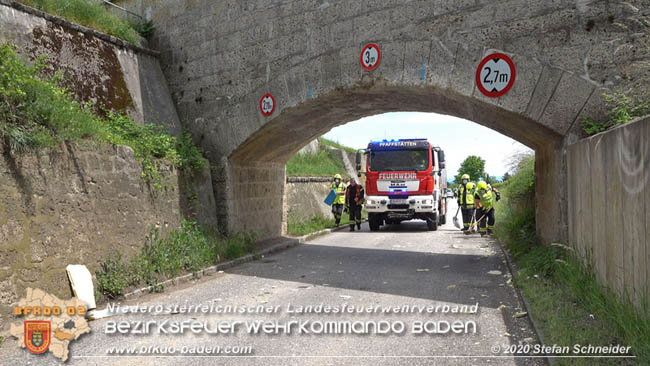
257 167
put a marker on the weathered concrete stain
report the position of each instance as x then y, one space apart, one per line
96 68
90 67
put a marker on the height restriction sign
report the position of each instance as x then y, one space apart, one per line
370 56
495 75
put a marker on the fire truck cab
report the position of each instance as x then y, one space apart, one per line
405 180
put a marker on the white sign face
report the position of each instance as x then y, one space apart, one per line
370 56
267 104
495 75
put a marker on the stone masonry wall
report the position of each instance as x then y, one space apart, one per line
304 197
257 198
73 205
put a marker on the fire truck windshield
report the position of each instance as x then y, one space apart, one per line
399 160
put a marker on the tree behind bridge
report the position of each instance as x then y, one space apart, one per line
472 165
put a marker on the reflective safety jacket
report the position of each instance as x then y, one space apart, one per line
466 194
340 193
486 199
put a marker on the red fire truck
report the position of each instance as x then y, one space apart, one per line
405 180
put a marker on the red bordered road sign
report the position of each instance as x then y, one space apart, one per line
267 104
495 75
370 56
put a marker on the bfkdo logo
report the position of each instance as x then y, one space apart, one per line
38 334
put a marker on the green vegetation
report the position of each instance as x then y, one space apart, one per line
316 223
623 108
324 163
187 250
326 142
565 298
144 28
91 14
36 113
152 146
472 165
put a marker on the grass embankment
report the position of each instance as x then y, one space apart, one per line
91 14
566 301
323 163
326 142
188 249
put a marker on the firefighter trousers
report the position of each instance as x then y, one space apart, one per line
337 210
486 225
355 216
467 212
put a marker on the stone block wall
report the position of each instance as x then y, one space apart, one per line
304 197
256 199
74 205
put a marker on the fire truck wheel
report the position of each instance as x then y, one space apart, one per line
373 222
432 223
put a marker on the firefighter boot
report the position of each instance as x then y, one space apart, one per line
358 226
351 227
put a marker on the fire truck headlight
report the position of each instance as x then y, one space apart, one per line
371 202
412 202
383 202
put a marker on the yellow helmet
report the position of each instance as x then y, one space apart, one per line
465 176
482 185
337 176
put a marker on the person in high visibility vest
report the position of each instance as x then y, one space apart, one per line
337 206
466 193
354 198
484 200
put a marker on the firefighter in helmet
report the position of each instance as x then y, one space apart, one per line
354 198
485 199
466 192
337 206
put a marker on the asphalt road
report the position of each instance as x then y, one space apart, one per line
399 265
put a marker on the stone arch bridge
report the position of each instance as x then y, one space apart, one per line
220 57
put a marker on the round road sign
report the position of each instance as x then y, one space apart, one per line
495 75
370 56
267 104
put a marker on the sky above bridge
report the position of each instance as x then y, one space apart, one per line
458 137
